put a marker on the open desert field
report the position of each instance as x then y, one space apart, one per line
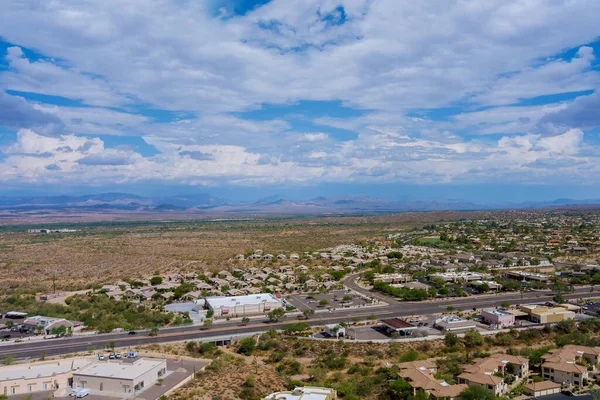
106 252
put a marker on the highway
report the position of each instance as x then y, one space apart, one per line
394 308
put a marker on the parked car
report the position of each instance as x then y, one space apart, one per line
111 356
101 357
82 393
117 355
131 354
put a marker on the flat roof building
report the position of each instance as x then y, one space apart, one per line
397 326
527 276
544 315
498 318
234 306
453 323
120 378
40 376
305 393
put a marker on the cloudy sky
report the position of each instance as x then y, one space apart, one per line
387 98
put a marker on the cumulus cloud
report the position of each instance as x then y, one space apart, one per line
184 79
16 113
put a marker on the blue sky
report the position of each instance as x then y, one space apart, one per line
244 99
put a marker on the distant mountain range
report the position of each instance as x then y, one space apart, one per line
204 203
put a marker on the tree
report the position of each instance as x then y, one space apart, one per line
559 299
309 312
473 338
323 303
420 395
451 339
245 320
595 394
207 323
8 359
247 346
110 346
276 314
59 330
210 313
505 304
346 299
477 393
156 280
153 332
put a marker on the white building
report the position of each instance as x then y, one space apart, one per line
235 306
120 378
454 323
305 393
23 379
335 330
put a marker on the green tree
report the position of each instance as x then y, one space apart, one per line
420 395
309 312
505 304
323 303
8 359
276 314
210 313
156 280
477 393
207 323
451 340
245 321
246 346
559 299
153 332
473 339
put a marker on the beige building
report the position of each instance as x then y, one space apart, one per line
119 378
490 382
22 379
546 315
568 365
538 389
420 375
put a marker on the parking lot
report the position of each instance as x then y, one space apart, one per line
323 301
591 308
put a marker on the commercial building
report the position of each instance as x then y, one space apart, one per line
498 318
47 324
527 276
397 326
335 330
22 379
544 315
392 278
119 378
305 393
237 306
453 323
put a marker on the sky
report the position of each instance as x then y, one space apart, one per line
494 100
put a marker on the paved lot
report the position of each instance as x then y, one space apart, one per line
334 300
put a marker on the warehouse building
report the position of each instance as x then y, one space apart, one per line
121 379
239 306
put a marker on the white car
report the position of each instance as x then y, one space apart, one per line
101 357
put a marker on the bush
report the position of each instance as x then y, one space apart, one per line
246 346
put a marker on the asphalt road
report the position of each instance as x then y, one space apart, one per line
395 308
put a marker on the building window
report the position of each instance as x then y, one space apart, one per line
13 390
29 388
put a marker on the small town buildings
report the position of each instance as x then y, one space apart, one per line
544 315
120 378
545 388
235 306
46 324
563 365
452 323
335 330
493 383
305 393
420 376
527 276
392 278
24 379
397 326
498 318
